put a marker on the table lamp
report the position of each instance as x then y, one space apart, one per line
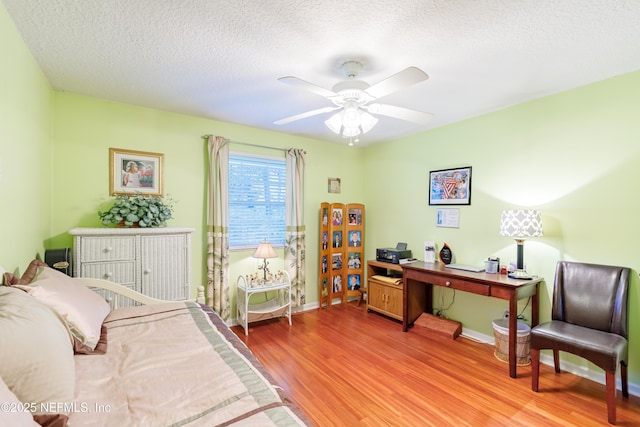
264 251
520 224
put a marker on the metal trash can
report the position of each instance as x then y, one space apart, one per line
523 342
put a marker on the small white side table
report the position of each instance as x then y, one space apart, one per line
276 304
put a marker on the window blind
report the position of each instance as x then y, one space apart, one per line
257 200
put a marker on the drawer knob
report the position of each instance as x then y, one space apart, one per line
108 275
147 271
448 283
108 249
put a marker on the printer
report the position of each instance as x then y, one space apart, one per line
393 255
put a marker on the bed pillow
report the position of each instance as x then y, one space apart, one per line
27 277
82 309
36 353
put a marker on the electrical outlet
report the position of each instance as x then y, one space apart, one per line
505 315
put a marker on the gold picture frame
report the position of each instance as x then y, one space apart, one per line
137 172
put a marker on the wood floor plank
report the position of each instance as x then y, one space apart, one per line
345 366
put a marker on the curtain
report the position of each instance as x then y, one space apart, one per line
295 228
217 293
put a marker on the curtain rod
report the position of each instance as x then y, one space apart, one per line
284 150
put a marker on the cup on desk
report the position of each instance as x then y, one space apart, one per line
491 267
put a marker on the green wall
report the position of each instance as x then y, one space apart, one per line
85 128
573 155
25 151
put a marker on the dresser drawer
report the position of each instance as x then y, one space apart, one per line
100 249
123 273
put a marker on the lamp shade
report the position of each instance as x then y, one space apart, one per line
351 121
335 122
521 223
264 250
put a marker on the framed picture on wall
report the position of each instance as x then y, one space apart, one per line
450 186
135 172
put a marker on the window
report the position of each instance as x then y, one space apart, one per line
257 200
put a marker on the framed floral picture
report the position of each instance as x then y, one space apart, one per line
135 172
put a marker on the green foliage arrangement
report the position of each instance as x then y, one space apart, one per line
138 211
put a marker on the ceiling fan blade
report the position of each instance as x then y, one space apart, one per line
294 81
305 115
399 113
404 78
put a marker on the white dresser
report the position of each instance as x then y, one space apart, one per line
153 261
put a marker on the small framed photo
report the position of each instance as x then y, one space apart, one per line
355 239
135 172
336 216
355 216
353 282
336 239
336 261
450 186
333 185
353 261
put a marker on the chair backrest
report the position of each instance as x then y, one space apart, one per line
591 295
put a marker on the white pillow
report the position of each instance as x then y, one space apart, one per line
82 309
13 412
36 350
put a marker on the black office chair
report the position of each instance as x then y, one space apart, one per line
589 319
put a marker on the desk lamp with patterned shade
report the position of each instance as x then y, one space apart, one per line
521 224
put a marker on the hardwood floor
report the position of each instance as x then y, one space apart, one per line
346 367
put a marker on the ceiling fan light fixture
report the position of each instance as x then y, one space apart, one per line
349 132
335 123
351 115
367 122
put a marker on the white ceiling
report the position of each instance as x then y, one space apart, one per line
221 59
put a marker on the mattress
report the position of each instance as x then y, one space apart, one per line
175 364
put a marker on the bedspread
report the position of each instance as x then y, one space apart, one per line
173 364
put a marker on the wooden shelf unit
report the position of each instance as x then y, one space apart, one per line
341 272
384 288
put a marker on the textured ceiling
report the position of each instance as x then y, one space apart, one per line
221 59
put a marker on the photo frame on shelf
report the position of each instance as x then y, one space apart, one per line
353 282
137 172
337 283
325 217
336 261
355 238
450 186
336 216
354 260
355 216
336 239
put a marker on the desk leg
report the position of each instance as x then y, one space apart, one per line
513 334
405 305
417 298
535 310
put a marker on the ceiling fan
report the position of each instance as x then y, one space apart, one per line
356 99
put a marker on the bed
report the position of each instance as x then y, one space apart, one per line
155 364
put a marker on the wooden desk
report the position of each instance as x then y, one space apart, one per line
420 275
